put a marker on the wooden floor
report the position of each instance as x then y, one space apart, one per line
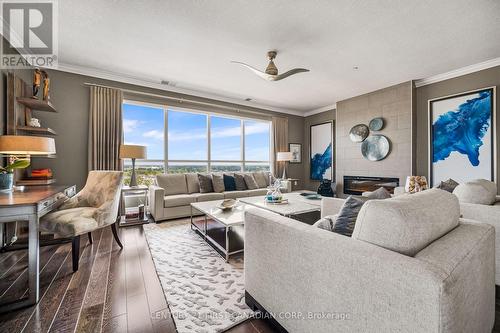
113 291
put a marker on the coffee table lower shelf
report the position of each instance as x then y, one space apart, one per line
226 239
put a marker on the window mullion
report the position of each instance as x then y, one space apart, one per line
209 145
242 143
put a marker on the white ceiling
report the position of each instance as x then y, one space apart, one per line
192 42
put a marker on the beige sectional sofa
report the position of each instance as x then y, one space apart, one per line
411 265
172 195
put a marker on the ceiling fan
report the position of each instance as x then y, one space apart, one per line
271 72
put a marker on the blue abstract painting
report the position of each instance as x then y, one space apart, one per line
321 151
462 145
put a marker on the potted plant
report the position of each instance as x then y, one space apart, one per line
7 173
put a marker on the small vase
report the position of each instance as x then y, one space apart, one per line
6 181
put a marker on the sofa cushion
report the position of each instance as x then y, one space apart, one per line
178 200
208 196
229 183
218 182
380 193
235 194
239 179
257 192
260 178
193 185
174 183
205 183
448 185
407 223
250 181
478 191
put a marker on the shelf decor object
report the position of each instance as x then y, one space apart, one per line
284 156
359 133
133 152
376 147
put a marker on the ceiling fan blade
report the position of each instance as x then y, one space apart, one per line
290 72
263 75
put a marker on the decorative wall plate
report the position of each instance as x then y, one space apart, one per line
376 124
376 147
359 133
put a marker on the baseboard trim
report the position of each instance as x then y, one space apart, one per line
255 306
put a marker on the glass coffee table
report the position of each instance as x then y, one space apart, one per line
225 231
222 229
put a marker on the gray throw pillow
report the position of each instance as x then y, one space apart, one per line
205 183
239 179
348 214
218 182
448 185
250 181
380 193
260 178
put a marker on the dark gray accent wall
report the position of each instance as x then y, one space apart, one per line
485 78
71 98
318 118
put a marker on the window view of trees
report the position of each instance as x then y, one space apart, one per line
189 141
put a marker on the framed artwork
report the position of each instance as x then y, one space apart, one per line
296 150
321 151
462 137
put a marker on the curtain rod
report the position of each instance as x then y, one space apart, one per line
177 99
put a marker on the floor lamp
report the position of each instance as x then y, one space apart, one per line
133 152
284 156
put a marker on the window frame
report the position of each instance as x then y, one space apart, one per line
242 161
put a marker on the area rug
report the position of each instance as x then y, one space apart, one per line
204 293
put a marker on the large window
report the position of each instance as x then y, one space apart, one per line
189 141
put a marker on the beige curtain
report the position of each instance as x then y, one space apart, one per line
280 143
105 128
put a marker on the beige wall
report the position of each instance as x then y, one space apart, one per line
394 104
71 98
485 78
306 149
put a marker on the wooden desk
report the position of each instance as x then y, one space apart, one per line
30 205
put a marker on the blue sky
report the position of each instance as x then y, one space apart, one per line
143 125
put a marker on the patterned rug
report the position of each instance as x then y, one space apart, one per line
205 294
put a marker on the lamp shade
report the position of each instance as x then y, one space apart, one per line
133 151
26 145
284 156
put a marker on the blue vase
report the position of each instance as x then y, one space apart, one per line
6 181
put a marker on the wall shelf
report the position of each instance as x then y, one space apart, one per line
36 104
36 130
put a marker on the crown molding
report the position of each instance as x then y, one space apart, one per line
458 72
129 79
321 109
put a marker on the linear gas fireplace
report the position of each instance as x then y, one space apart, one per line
357 185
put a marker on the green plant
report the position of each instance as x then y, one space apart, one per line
16 164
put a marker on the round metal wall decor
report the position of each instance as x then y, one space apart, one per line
359 133
376 124
376 147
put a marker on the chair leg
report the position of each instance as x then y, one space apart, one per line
75 251
115 235
90 237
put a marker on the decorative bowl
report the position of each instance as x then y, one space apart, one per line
227 204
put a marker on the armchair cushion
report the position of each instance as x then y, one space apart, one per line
479 191
70 222
408 223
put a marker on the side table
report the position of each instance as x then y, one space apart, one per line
131 199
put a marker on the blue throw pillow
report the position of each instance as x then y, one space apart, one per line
229 183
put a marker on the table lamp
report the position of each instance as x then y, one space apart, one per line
22 145
133 152
284 156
